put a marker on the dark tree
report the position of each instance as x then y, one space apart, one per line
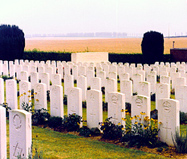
12 42
152 47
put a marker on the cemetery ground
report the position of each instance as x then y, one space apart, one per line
54 144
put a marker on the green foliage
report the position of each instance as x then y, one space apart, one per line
85 131
128 107
71 122
183 118
12 42
154 114
55 122
180 142
141 132
5 105
5 77
153 97
27 106
105 106
84 104
110 130
65 100
40 116
152 47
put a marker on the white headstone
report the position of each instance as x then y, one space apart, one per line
162 91
95 83
144 89
89 75
56 101
140 104
181 96
45 79
25 92
1 91
152 80
34 79
56 79
94 108
40 96
168 115
102 75
74 99
82 83
3 146
75 72
24 75
20 133
116 103
11 93
136 79
111 86
126 88
68 83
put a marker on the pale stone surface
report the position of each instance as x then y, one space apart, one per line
144 89
1 91
162 91
181 96
25 93
165 79
124 76
61 71
67 69
18 69
49 70
40 97
74 101
102 75
68 83
94 108
56 101
89 57
82 83
11 93
95 83
89 75
3 146
56 79
20 133
5 68
126 88
116 103
82 70
152 79
75 72
34 79
168 115
12 70
24 75
140 104
111 86
136 79
112 75
45 79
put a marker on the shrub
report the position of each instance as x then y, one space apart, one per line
55 122
110 130
84 104
153 97
180 142
183 118
40 116
12 42
128 107
71 122
85 131
142 132
152 47
154 114
105 106
65 100
25 106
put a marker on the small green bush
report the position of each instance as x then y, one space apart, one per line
71 122
85 131
183 118
40 117
110 130
141 131
55 122
180 142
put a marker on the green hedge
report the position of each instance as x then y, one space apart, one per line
66 56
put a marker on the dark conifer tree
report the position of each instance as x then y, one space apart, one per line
152 47
12 42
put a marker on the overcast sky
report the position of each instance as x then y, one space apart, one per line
68 16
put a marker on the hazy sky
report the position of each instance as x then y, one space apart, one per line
66 16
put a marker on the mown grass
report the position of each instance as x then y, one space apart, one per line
56 145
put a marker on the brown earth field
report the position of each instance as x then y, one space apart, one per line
112 45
